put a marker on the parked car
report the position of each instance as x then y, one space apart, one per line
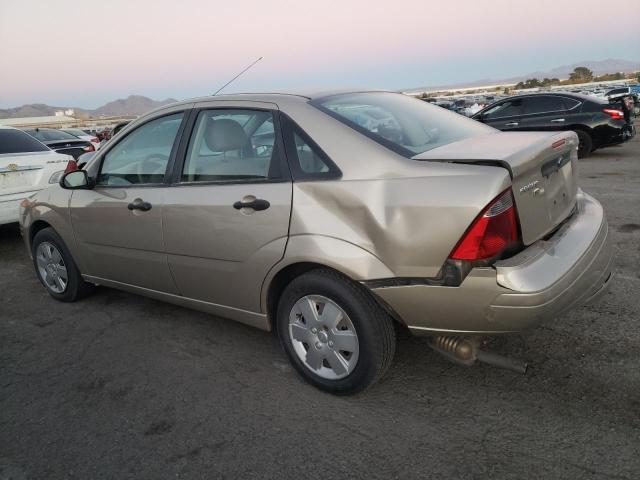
282 212
26 166
117 128
598 123
61 142
84 136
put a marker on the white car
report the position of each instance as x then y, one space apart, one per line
84 136
26 166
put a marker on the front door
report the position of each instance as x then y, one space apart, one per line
505 115
118 224
548 113
226 218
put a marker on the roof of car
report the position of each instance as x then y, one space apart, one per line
577 96
303 95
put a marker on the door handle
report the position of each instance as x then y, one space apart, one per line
139 204
257 204
511 124
557 120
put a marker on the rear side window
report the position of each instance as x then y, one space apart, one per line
306 159
570 103
543 104
16 141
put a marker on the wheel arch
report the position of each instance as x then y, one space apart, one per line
35 227
308 252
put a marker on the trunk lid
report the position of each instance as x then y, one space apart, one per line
543 169
23 172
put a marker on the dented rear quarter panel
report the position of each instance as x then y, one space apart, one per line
410 223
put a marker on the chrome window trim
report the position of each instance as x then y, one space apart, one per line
540 113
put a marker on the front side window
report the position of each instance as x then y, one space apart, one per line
231 145
508 108
543 104
16 141
403 124
143 155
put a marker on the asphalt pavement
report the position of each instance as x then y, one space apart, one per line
118 386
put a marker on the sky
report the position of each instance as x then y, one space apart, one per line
85 53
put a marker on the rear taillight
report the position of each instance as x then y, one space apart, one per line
72 166
614 113
95 140
89 148
491 233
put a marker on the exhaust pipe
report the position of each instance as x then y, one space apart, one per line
501 361
467 351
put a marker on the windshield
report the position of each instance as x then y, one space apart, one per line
16 141
46 134
401 123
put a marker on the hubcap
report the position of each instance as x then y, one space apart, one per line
323 337
51 267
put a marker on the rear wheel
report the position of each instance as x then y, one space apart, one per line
55 267
585 145
335 335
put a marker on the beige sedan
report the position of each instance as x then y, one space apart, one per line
333 218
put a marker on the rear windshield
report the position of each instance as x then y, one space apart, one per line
16 141
46 134
401 123
77 133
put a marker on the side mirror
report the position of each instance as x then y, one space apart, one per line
76 180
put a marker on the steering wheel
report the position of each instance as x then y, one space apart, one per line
154 164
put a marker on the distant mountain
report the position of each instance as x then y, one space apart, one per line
598 67
132 105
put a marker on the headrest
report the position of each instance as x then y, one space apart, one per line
224 134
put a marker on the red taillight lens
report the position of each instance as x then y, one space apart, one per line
615 114
95 140
89 148
493 231
72 166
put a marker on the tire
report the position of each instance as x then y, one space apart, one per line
585 145
345 316
52 262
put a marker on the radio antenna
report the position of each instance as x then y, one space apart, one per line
222 87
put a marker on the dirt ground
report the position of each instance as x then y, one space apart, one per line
118 386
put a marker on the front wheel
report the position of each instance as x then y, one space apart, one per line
334 333
55 267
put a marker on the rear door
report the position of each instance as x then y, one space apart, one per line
548 113
504 115
226 217
118 224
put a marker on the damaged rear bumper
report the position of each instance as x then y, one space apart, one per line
543 281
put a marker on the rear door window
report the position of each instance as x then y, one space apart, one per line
543 104
233 145
17 141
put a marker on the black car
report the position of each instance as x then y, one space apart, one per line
61 142
598 123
